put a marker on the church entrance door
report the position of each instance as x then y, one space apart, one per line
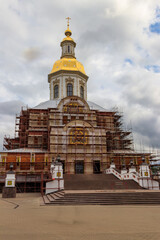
79 167
96 167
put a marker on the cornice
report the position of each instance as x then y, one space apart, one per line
67 71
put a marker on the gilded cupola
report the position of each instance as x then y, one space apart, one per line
67 72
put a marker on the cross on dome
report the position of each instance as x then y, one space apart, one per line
68 32
68 18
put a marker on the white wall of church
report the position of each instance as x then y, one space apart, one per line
62 80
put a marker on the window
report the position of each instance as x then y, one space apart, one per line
68 49
65 119
81 118
45 120
69 89
56 91
35 140
79 167
82 92
18 160
39 120
73 118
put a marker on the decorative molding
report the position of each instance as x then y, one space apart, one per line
50 90
69 80
78 136
81 82
56 81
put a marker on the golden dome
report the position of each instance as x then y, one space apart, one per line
70 64
68 34
67 39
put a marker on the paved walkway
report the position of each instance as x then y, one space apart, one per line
24 219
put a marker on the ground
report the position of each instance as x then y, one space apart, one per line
24 218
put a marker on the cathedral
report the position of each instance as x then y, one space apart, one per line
80 134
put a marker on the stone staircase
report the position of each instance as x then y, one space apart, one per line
101 198
97 182
100 189
53 197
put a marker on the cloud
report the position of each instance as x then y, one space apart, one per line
10 108
8 111
31 54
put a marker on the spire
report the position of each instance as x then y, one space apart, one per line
68 32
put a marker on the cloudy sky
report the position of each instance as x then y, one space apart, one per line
118 43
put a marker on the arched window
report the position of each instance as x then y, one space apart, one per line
56 91
68 49
82 92
69 89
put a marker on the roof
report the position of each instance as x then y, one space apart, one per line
94 106
54 104
67 39
24 150
48 104
128 151
69 64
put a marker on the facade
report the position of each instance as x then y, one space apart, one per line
85 136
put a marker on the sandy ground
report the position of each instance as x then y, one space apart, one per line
31 221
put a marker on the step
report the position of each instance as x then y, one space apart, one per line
54 196
114 199
61 193
113 196
58 195
106 203
46 200
100 181
103 198
50 197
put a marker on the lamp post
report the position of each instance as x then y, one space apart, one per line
132 168
52 167
131 163
11 166
143 160
58 158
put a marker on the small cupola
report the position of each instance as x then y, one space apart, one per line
68 45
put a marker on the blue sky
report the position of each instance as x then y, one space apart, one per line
117 42
154 68
155 28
